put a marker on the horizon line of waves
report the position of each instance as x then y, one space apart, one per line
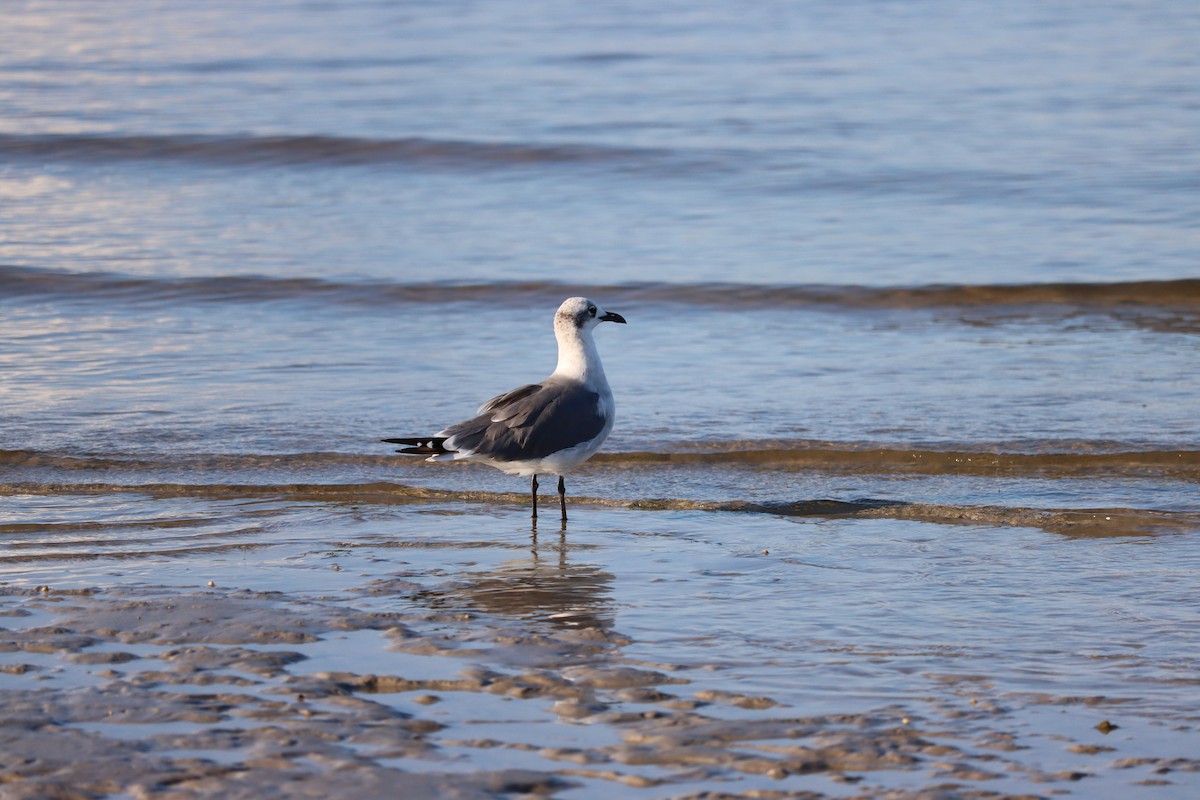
772 169
1180 295
321 150
1087 522
1050 459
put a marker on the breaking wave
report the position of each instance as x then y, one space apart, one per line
1174 304
1051 459
297 150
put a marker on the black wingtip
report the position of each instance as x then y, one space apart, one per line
420 446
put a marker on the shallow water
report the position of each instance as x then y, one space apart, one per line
749 635
906 405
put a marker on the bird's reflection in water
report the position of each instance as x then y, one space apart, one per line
544 586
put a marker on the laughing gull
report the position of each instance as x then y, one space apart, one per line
550 426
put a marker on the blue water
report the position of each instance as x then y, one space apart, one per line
242 242
848 146
850 142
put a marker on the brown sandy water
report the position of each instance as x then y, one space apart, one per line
348 646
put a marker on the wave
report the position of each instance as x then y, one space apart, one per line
285 150
757 169
1128 299
1066 459
1092 522
1180 464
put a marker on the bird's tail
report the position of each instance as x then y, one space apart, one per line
423 446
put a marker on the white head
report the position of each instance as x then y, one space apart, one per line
573 323
582 314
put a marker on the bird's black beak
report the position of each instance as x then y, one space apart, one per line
611 317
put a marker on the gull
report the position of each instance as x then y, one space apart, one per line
548 427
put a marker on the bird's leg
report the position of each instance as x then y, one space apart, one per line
533 487
562 497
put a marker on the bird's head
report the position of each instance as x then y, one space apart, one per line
583 314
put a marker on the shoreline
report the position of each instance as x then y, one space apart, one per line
452 651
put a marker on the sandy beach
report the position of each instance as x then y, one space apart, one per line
450 651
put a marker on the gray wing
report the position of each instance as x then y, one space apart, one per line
533 421
508 397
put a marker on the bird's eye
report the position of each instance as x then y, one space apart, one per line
591 311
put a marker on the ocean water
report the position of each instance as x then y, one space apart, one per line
923 275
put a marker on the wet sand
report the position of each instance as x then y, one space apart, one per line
448 651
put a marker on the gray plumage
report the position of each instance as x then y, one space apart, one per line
532 422
552 426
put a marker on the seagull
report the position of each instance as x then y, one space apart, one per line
548 427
